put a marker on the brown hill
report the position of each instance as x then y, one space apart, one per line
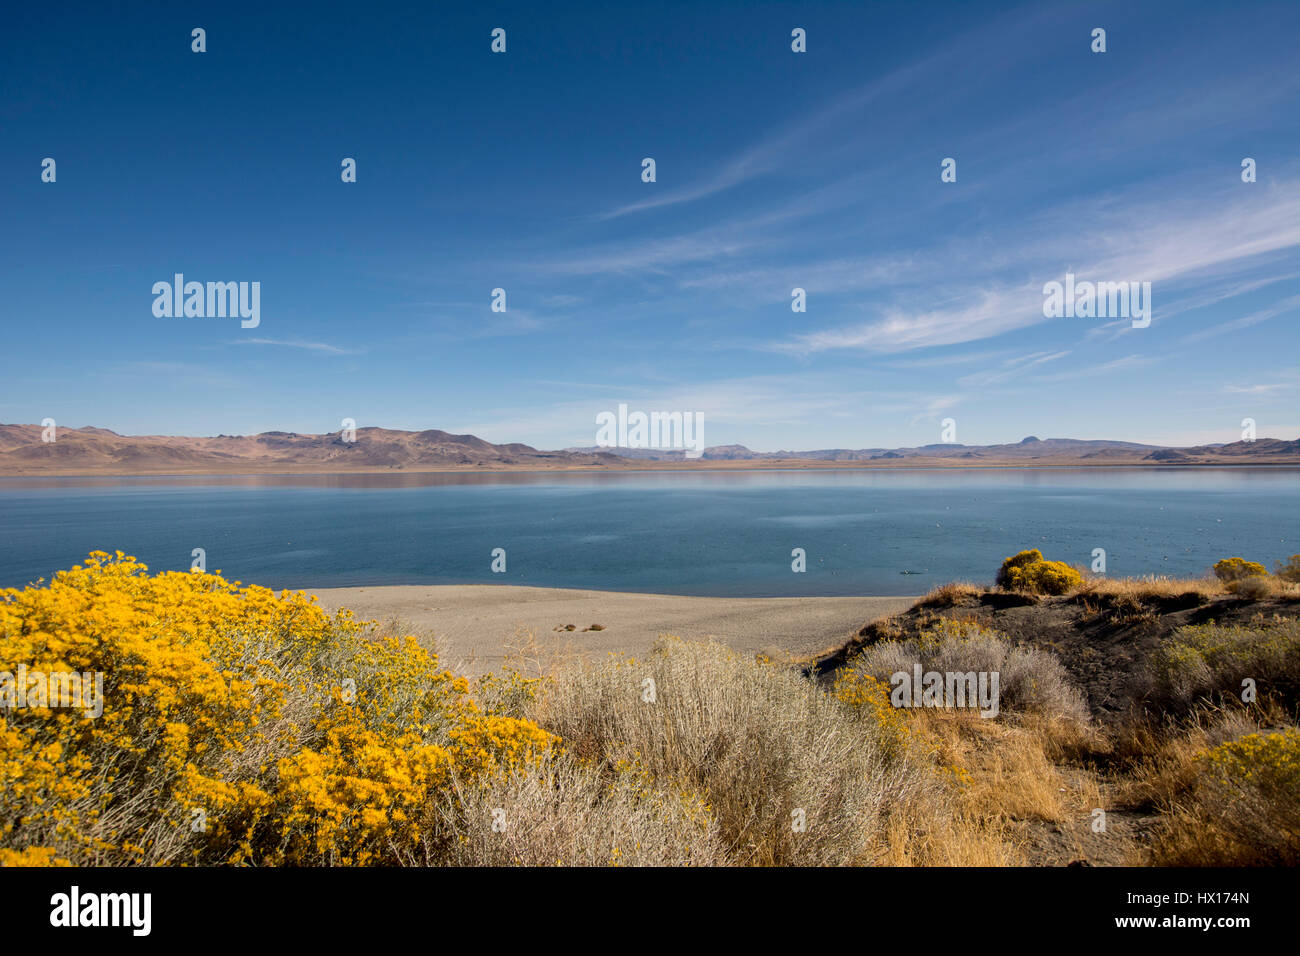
1028 451
99 451
1262 448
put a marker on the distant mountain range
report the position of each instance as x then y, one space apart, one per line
98 451
1025 450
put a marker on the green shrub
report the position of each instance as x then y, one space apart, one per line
1211 661
1027 571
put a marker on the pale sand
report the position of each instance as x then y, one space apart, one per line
475 625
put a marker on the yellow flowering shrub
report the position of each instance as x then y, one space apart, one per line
1229 570
1248 793
32 856
238 726
1270 762
508 692
1028 571
869 696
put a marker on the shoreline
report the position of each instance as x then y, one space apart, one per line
474 626
781 465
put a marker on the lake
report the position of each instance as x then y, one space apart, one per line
718 533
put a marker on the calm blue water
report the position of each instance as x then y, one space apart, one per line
708 533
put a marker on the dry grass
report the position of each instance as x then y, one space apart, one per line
753 742
1151 586
1254 588
1157 588
948 595
750 741
529 656
761 744
1121 610
1140 588
710 772
1225 801
567 813
1007 782
1006 771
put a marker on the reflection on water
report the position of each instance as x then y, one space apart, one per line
1182 477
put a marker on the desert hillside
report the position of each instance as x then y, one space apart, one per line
99 451
1157 717
91 451
1106 634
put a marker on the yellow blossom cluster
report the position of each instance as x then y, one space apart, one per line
239 726
869 697
1269 762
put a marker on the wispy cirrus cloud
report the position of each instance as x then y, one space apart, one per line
1173 245
788 146
1011 369
1259 389
1287 305
298 344
1101 368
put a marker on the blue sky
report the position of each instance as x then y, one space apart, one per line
775 170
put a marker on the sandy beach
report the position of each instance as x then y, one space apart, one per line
476 625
